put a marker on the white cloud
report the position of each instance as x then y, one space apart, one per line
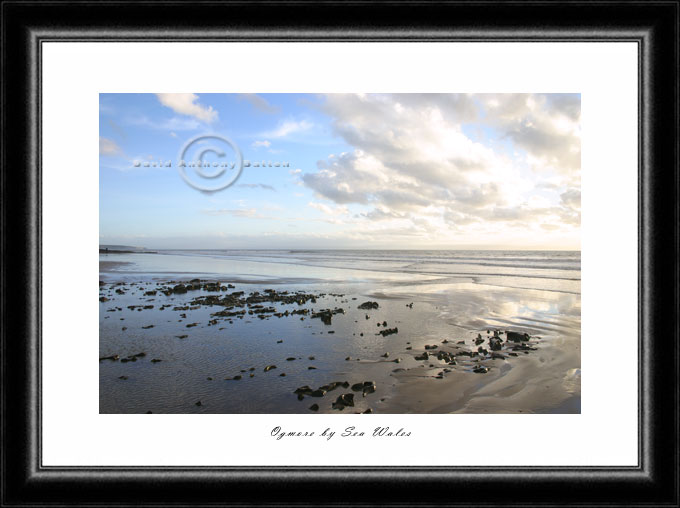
259 102
187 104
109 147
264 143
421 172
547 127
172 124
288 127
571 198
329 210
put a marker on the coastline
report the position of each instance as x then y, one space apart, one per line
444 311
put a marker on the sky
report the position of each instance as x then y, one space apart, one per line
348 171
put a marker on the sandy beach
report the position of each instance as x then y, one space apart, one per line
340 332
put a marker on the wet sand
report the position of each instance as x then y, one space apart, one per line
206 349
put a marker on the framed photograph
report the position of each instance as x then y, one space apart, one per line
369 254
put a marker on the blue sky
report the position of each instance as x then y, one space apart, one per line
364 171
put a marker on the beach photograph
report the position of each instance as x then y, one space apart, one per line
313 253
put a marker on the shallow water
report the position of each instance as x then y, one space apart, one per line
455 296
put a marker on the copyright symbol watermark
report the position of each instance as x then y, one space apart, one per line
210 162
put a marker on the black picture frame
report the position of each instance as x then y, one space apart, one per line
653 25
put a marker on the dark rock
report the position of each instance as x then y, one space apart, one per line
370 388
311 367
480 370
369 305
343 401
290 358
431 347
318 393
156 360
283 374
312 358
389 331
123 378
424 356
279 341
326 315
314 407
336 384
112 358
181 336
304 390
516 337
199 403
357 387
495 344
